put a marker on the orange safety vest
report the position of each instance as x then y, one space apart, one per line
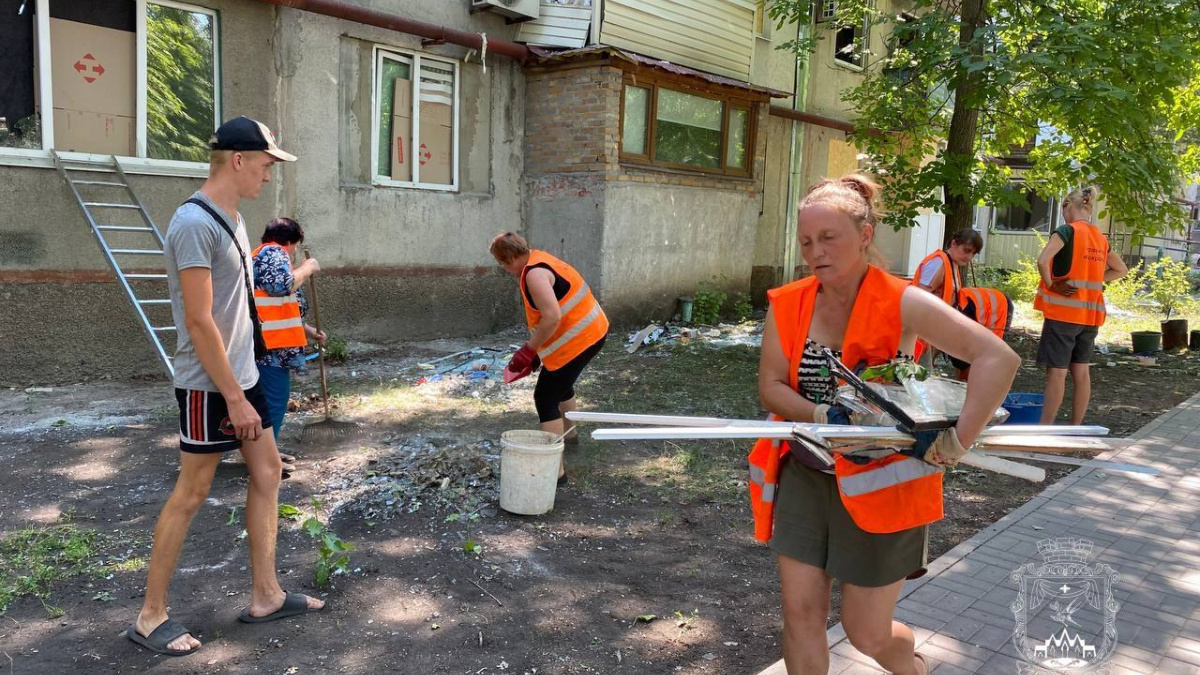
583 322
951 280
1089 261
280 316
991 308
888 494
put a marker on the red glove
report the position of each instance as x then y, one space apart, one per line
524 362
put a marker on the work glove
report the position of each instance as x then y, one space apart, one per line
940 448
524 362
831 414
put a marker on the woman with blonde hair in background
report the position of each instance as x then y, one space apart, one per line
862 523
1074 267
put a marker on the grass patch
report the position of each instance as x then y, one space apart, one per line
34 559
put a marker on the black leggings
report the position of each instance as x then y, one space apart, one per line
555 386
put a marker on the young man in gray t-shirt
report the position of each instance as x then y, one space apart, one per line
221 406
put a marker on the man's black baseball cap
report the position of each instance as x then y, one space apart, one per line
243 133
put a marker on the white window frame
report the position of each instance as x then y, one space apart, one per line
414 58
140 163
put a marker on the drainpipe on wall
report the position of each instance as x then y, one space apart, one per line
795 175
429 31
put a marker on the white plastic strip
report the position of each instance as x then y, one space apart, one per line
840 431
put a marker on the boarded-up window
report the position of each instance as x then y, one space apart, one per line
415 134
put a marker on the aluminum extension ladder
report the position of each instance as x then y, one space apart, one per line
146 287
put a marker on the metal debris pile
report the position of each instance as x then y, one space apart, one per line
422 473
747 334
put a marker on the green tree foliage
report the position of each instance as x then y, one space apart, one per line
179 83
1110 88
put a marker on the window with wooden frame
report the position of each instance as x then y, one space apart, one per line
671 126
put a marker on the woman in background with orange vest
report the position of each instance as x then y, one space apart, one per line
1074 267
567 329
277 299
862 523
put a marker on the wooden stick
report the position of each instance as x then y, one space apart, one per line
485 591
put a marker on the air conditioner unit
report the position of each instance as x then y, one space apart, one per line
519 10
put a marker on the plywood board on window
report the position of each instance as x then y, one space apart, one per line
843 158
715 36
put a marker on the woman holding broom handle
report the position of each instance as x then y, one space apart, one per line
567 329
862 523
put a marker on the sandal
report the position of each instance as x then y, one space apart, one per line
160 637
286 458
921 658
294 604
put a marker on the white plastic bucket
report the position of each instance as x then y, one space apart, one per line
529 471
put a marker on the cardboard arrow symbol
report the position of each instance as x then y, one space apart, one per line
98 69
79 67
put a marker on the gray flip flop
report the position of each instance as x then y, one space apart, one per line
160 637
294 604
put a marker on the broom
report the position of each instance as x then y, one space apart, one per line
327 429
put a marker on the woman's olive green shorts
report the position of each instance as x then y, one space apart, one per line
812 526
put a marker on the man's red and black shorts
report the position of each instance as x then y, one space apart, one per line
204 424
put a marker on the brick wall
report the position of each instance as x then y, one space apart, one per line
571 120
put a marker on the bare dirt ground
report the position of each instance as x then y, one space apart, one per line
440 580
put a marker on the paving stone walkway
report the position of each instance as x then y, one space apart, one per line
1147 528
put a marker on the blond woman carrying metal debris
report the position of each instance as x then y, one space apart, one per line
863 522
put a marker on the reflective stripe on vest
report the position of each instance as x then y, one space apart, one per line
894 473
579 327
1089 261
283 324
873 334
1061 301
991 308
582 321
275 301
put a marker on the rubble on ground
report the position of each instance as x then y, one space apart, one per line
745 334
420 472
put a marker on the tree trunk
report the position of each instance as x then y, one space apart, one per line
964 123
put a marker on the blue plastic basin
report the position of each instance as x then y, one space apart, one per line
1024 408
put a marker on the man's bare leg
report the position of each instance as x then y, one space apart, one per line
191 488
262 524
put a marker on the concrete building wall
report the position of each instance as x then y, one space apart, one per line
398 262
402 262
641 236
661 242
